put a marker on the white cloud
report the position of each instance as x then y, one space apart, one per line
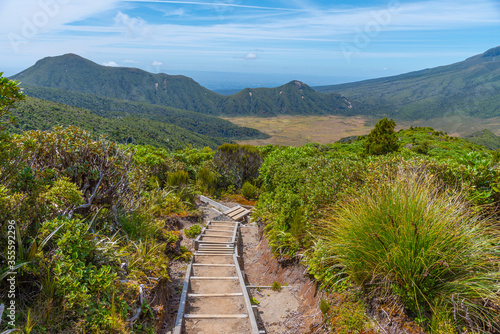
157 63
175 12
250 56
136 27
31 17
111 63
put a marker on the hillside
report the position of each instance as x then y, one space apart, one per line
79 75
293 98
108 107
36 114
470 87
74 73
486 138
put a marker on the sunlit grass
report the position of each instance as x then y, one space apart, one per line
410 237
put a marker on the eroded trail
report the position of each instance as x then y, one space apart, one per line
214 298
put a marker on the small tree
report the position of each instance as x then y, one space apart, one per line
237 163
10 93
382 139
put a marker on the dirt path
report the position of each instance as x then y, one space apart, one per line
295 309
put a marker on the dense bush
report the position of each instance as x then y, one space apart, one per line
382 139
237 164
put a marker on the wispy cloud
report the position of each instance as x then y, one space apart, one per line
215 4
156 63
135 27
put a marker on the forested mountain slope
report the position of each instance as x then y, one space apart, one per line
470 87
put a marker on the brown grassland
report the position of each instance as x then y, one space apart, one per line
300 130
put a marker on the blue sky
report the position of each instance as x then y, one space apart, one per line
238 43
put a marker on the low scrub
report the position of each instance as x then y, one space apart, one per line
411 238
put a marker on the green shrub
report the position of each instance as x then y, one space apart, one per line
193 231
324 306
178 179
237 164
410 236
249 191
207 180
382 139
276 286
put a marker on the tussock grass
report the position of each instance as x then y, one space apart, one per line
409 236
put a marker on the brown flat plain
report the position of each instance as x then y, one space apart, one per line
300 130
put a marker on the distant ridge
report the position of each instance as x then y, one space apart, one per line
470 87
76 74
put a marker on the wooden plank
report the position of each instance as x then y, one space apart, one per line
215 316
214 278
215 236
236 212
248 304
213 264
234 294
213 203
223 222
215 230
231 210
241 215
216 254
215 242
182 304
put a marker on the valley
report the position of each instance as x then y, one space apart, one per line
301 130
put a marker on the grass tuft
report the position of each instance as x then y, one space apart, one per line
408 236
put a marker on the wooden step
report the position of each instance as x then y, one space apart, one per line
213 278
214 265
234 294
212 316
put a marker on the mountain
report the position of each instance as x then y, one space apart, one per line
485 138
74 73
78 75
37 114
293 98
470 87
112 108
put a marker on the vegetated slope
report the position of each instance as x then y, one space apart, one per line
293 98
470 87
76 74
109 107
36 114
486 138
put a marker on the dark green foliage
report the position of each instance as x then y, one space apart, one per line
467 88
382 139
35 114
117 109
293 98
237 164
10 94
